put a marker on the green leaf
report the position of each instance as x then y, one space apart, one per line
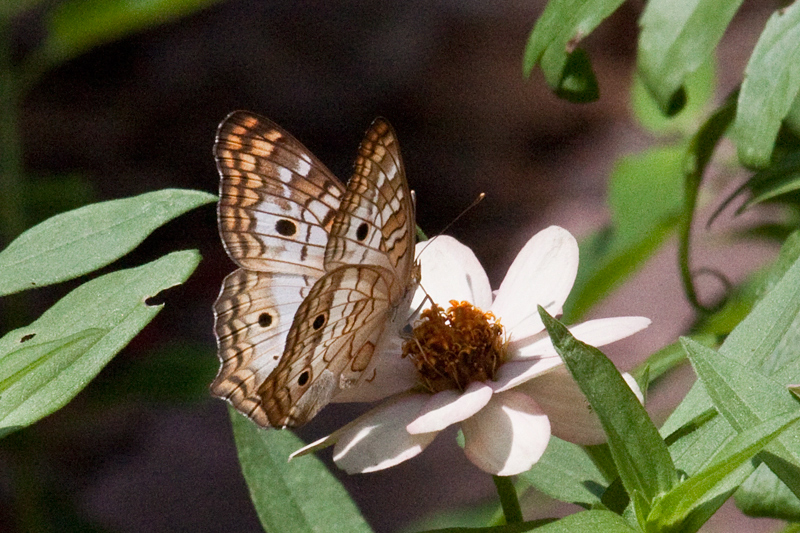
642 459
567 474
645 199
764 494
780 178
673 508
76 26
297 497
77 242
677 37
762 341
699 86
44 365
604 521
771 83
562 25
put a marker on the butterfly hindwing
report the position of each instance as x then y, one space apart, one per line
333 336
252 318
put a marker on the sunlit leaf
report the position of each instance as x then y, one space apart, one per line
80 241
44 365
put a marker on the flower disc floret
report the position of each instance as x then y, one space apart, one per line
454 348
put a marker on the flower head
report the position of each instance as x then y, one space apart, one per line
485 363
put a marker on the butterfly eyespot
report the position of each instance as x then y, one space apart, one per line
319 321
361 232
287 228
265 320
304 377
26 338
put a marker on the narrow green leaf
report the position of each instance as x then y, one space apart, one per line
645 200
77 242
76 26
604 521
567 474
674 507
642 459
44 365
531 525
297 497
764 494
677 37
771 83
562 25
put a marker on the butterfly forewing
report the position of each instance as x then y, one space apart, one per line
277 201
375 222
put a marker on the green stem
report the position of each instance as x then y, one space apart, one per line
699 153
508 499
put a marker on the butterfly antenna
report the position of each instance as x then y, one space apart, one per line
475 202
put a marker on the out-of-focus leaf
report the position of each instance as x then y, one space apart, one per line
75 26
77 242
567 474
676 38
782 177
699 86
771 83
554 39
764 494
641 457
297 497
44 365
645 198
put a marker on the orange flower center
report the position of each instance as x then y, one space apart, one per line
454 348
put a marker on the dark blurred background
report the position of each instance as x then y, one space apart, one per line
144 448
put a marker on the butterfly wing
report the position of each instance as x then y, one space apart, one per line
252 318
277 204
375 223
277 201
370 273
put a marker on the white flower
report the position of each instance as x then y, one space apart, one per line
510 397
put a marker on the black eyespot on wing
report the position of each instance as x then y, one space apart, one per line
265 320
305 377
362 231
287 228
319 321
26 338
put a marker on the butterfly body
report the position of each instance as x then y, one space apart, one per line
325 271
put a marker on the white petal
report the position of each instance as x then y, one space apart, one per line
507 436
513 373
571 417
450 271
542 274
378 439
450 406
597 332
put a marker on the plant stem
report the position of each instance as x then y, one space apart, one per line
508 499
